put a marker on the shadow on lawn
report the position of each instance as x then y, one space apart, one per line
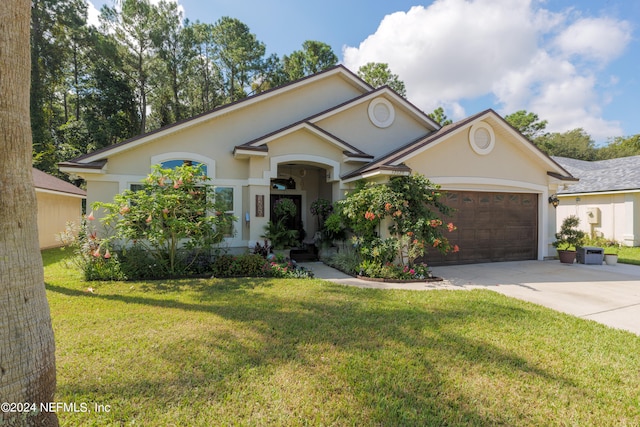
400 364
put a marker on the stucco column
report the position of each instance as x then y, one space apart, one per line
551 220
629 236
259 199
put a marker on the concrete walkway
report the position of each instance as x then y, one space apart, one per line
606 294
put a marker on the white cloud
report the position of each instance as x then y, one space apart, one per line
600 39
92 14
525 57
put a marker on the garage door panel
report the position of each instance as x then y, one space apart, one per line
491 227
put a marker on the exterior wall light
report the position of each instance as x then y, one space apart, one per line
553 199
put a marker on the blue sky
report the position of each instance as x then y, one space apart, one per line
574 63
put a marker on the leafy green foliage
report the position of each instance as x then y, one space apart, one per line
411 209
569 236
94 261
177 209
440 117
314 57
575 144
238 55
276 230
379 74
528 124
620 147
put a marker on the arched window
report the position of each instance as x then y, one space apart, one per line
172 164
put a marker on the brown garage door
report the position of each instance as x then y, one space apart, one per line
491 227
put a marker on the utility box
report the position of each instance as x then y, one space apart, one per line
593 215
590 255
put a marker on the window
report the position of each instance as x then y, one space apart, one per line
172 164
224 195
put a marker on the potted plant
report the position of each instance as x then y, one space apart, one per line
277 231
611 249
568 238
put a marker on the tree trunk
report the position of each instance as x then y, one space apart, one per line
27 350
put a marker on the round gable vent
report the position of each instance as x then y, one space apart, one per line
381 113
481 138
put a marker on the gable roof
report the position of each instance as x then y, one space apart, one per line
603 175
99 155
49 183
394 161
258 145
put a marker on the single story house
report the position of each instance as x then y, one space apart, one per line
59 202
607 198
315 137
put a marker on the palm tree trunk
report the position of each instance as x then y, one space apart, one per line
27 349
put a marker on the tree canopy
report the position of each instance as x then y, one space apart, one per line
379 74
144 67
440 117
575 143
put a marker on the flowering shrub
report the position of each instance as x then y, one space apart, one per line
286 270
176 212
93 257
411 207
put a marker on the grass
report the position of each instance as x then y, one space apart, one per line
307 352
629 255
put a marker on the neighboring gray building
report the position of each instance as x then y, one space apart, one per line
606 198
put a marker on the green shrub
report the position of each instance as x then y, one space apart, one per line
249 265
92 255
169 216
221 265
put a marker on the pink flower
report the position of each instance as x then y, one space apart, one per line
90 217
436 243
107 254
149 219
455 249
96 253
370 216
177 184
124 209
451 227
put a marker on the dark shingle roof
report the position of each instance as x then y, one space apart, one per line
602 175
45 181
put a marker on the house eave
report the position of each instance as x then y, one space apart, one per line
99 167
245 153
60 193
598 193
562 178
381 171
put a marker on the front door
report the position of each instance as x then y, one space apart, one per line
293 223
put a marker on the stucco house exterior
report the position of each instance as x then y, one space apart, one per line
314 138
606 199
59 202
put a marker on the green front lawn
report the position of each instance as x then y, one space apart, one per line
629 255
307 352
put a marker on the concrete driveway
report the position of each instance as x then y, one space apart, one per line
606 294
